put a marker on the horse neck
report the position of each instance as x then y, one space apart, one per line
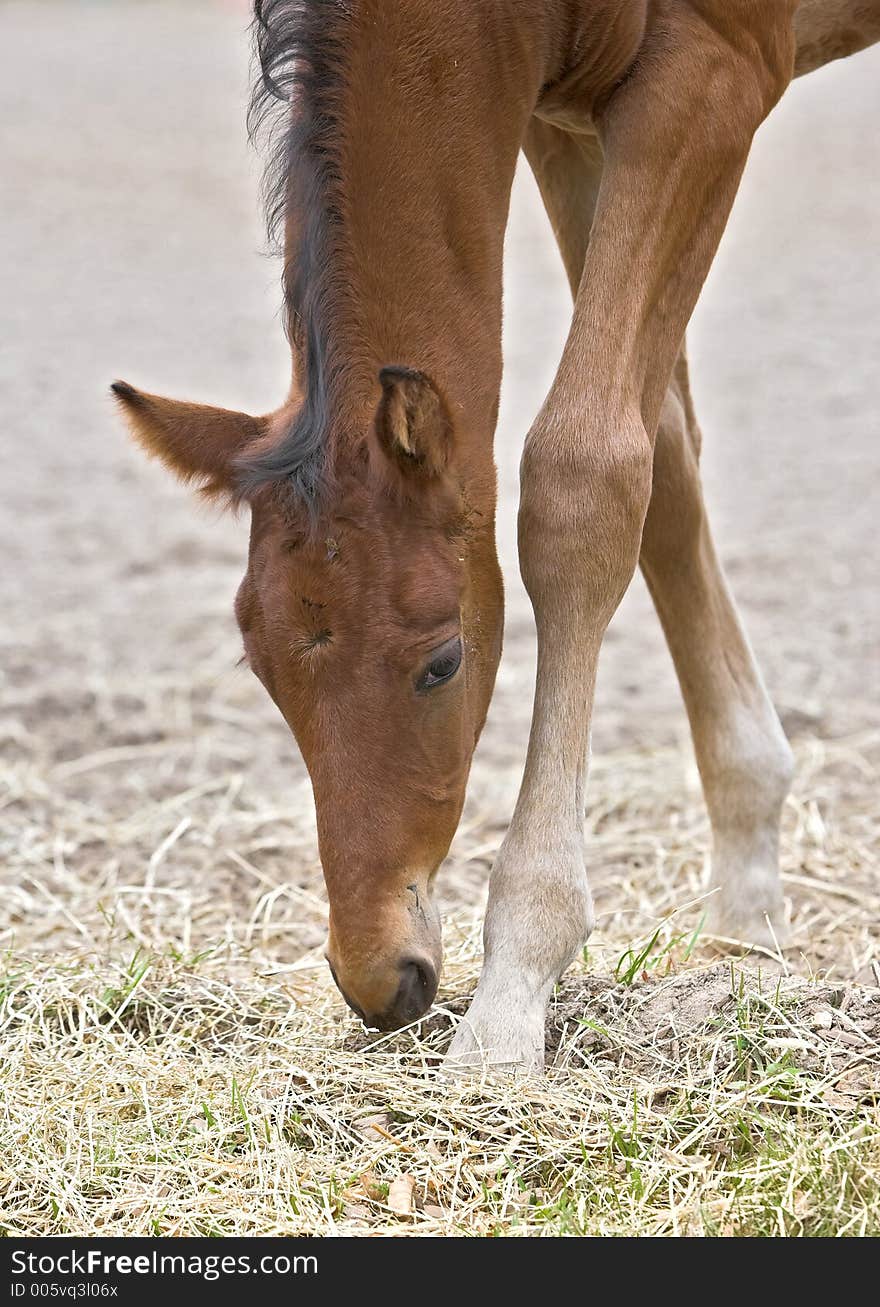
414 229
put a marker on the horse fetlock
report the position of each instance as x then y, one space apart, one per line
755 763
540 910
541 937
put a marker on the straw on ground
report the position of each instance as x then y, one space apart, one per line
175 1060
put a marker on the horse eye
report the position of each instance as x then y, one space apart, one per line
444 663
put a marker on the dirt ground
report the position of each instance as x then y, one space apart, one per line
152 798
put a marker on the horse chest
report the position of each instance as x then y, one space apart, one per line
601 41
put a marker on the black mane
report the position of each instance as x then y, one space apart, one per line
294 112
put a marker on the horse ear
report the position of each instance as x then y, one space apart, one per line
413 422
196 442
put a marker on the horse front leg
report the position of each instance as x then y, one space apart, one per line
674 155
744 758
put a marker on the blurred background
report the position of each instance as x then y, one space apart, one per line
135 752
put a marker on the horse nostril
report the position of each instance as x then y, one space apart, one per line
418 985
415 994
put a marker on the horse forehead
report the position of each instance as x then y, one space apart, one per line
364 563
400 559
425 580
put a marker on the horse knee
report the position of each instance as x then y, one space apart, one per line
584 496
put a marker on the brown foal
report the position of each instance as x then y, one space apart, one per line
372 605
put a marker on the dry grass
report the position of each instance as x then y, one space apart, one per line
175 1059
201 1098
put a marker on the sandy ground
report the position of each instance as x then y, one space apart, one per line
151 793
